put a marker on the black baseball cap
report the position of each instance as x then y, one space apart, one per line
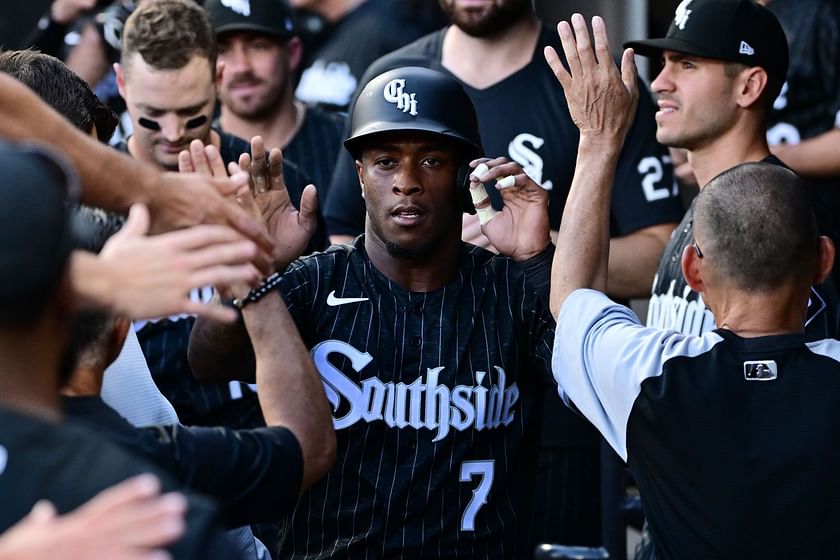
272 17
36 233
731 30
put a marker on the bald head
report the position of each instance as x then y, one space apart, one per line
755 224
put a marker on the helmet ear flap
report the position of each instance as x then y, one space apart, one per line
463 184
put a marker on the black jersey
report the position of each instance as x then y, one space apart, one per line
525 117
809 103
732 441
164 341
68 466
674 305
435 399
253 474
375 27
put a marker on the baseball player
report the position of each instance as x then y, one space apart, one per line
731 436
737 48
433 352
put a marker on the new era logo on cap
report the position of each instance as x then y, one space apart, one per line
394 92
241 7
682 14
746 49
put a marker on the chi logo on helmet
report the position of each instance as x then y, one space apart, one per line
394 92
241 7
681 17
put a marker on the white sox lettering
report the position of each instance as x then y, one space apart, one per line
241 7
420 404
394 92
532 163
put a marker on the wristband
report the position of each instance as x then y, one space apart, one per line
260 291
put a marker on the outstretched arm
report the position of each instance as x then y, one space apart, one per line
290 391
220 352
602 103
143 276
114 181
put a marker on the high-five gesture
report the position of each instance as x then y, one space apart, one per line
289 228
264 196
601 101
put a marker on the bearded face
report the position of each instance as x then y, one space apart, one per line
485 18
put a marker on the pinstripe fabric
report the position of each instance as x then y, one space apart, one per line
315 147
428 389
809 103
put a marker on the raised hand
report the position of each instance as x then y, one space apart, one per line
521 229
601 101
290 229
152 276
66 11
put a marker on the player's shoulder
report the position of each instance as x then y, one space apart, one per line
424 52
335 256
325 120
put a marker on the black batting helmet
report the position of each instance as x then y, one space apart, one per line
414 98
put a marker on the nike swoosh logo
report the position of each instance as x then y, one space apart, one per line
333 300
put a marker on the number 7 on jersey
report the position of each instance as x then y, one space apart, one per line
484 469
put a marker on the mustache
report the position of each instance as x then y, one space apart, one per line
244 78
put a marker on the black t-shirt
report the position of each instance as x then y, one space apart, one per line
732 441
674 305
436 399
68 466
525 117
254 474
331 72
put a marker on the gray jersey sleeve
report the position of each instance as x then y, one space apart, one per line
602 355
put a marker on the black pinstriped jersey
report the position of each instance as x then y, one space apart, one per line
436 400
674 305
809 103
732 441
315 147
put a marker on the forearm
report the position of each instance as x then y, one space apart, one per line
91 282
290 390
815 157
583 240
109 179
634 259
220 352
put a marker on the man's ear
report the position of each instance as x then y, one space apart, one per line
360 173
752 83
119 332
119 73
294 50
825 259
690 264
